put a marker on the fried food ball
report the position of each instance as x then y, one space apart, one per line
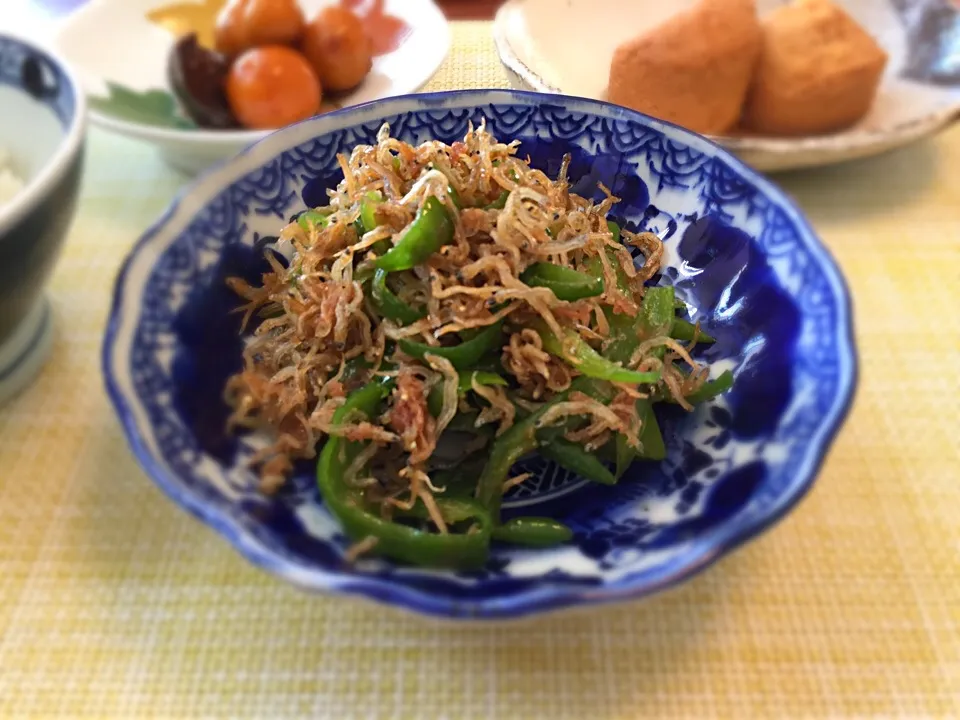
339 49
818 71
244 24
272 86
694 69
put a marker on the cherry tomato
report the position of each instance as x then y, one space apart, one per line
243 24
272 86
338 47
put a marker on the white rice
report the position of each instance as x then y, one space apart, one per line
10 184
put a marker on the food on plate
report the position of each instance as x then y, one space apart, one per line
807 69
272 86
199 78
694 69
818 71
339 49
264 49
10 182
449 311
245 24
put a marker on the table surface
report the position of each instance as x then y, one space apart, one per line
113 602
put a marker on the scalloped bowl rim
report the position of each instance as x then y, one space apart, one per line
538 599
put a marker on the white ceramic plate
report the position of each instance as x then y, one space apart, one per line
566 47
114 41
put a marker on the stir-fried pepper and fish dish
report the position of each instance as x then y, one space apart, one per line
448 312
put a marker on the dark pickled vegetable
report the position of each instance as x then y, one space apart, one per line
198 77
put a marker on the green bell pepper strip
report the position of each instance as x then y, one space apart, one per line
683 330
595 268
565 283
624 455
451 190
520 439
623 336
711 388
516 442
500 202
655 318
430 230
454 197
469 333
389 305
364 272
462 356
656 312
482 377
651 441
401 542
595 264
368 210
614 230
490 363
310 219
596 389
536 532
607 453
460 481
575 459
587 360
464 385
296 274
367 221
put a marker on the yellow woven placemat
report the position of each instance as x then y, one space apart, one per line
115 603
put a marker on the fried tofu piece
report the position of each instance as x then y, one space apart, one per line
818 71
693 70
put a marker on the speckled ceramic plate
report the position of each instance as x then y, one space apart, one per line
120 48
919 94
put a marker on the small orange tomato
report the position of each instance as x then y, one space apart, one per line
272 86
243 24
337 46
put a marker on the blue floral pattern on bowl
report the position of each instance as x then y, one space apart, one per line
23 67
738 251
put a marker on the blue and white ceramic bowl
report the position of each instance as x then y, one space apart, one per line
738 251
42 125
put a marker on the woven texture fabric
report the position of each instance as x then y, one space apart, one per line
115 603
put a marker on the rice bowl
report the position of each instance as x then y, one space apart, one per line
10 183
42 132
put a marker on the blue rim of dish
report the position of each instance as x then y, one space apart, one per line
548 596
